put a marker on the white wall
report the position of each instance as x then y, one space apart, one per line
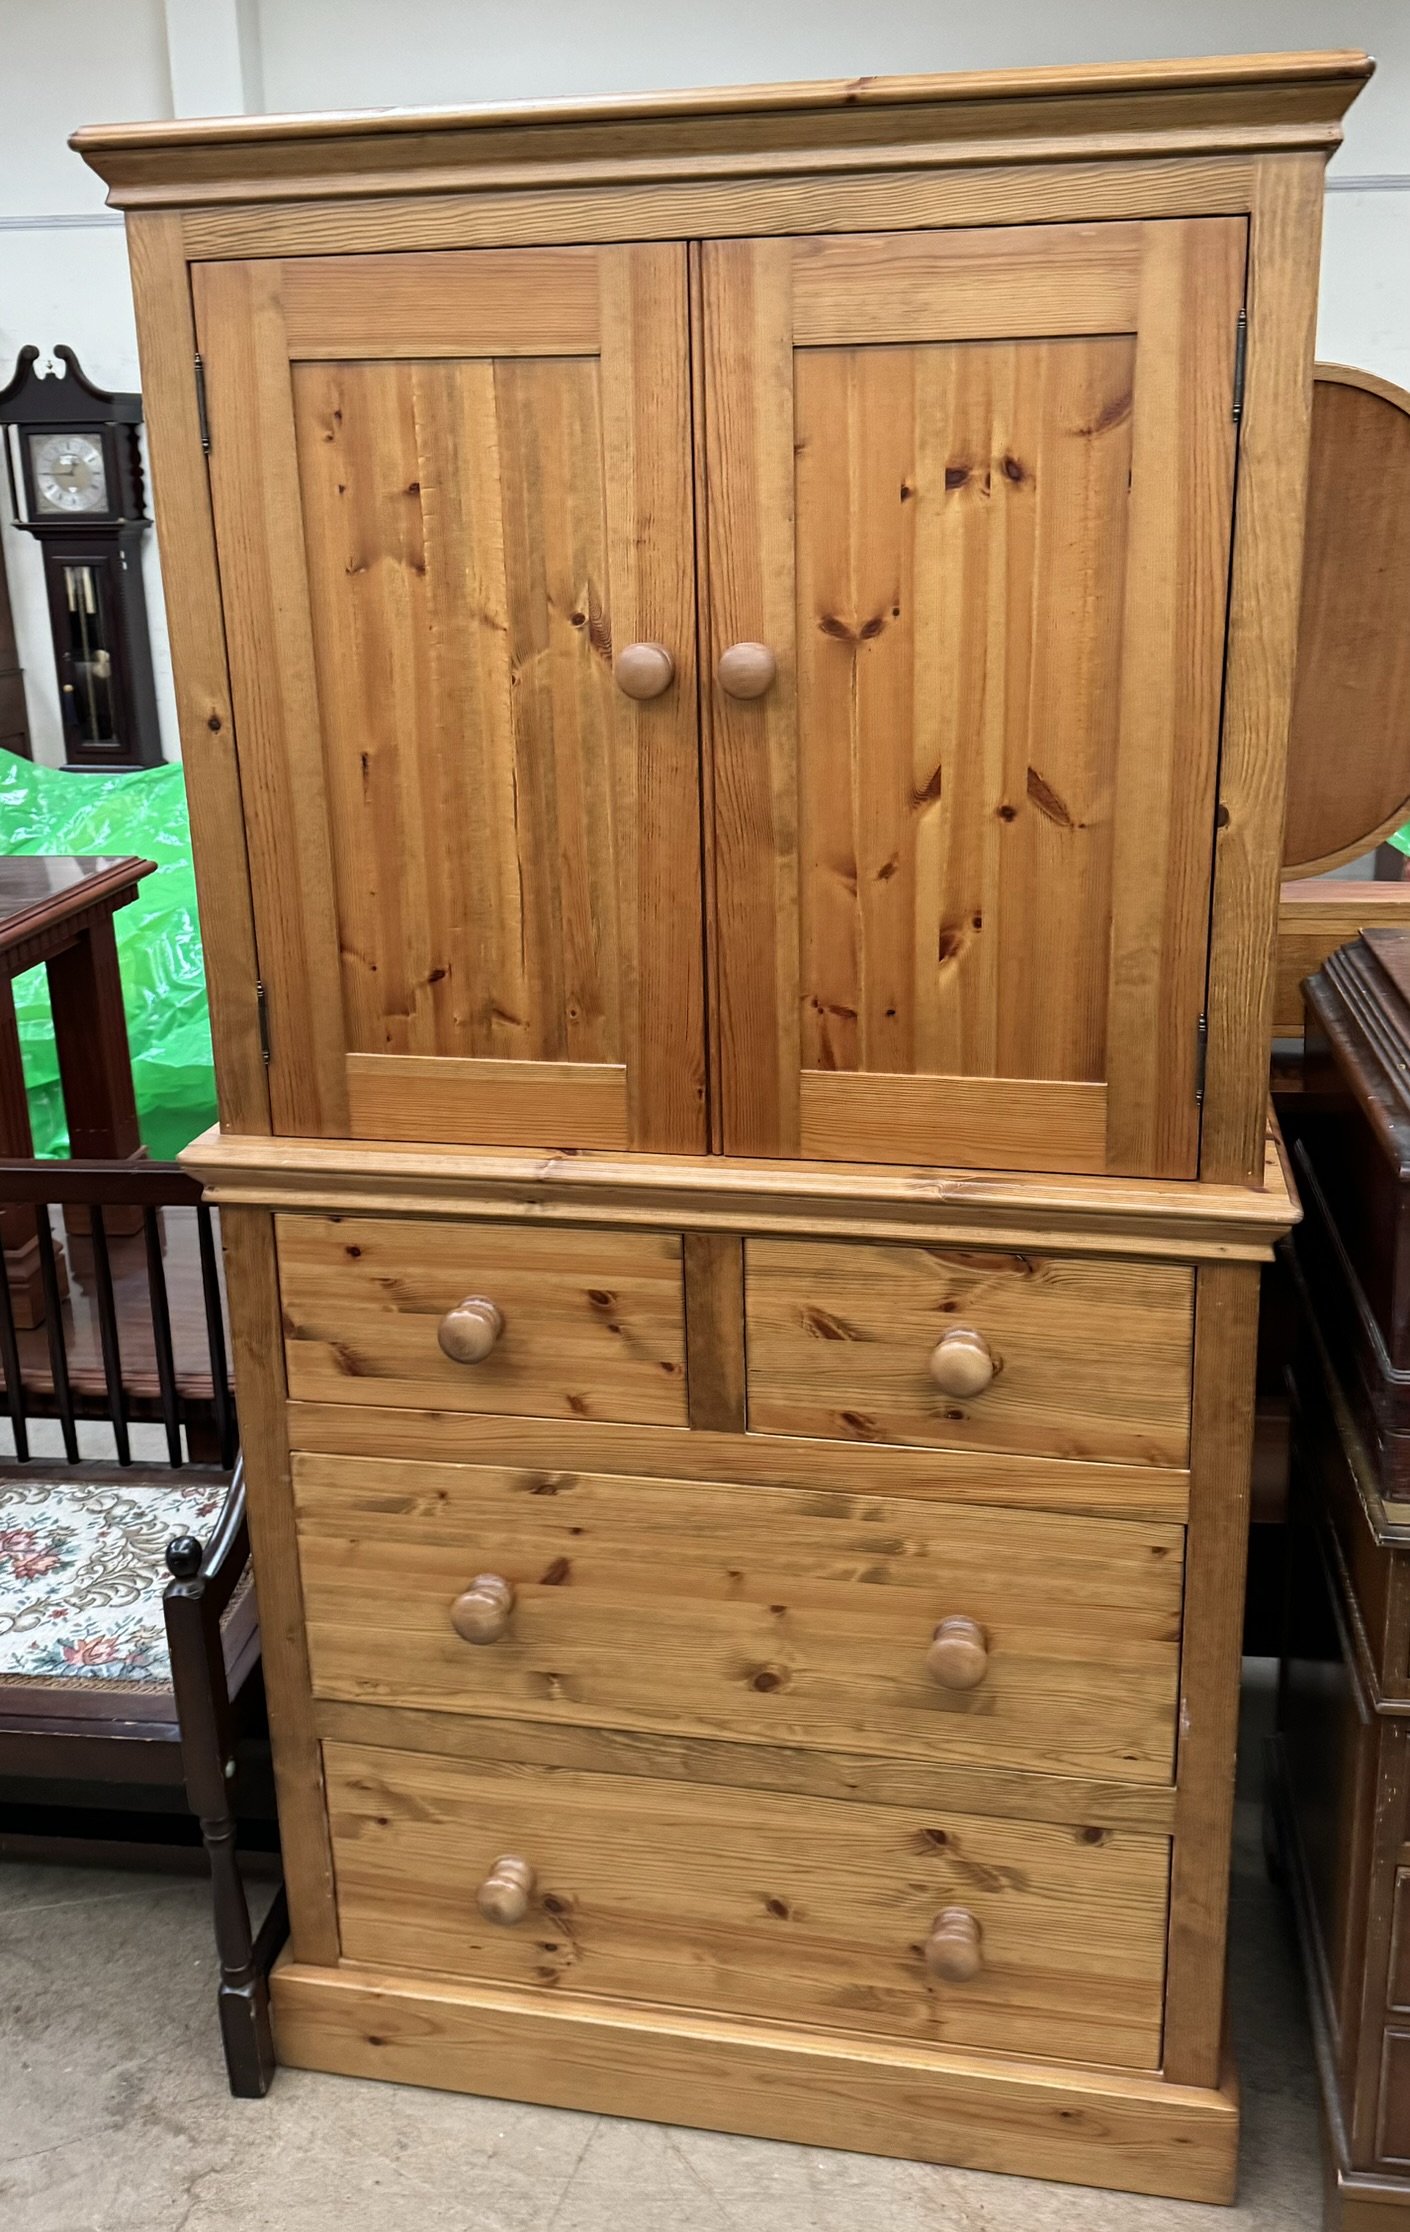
63 272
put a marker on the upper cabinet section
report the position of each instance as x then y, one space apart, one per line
447 490
755 622
973 491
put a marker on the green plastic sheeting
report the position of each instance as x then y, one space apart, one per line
44 810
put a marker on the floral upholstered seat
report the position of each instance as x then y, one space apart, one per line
82 1573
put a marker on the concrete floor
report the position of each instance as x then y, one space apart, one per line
114 2116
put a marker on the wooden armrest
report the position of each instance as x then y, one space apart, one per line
224 1557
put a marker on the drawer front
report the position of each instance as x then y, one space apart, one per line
801 1910
593 1322
1089 1360
765 1614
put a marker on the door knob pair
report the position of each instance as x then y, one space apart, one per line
645 670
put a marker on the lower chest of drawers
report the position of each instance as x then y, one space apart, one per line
814 1734
872 1668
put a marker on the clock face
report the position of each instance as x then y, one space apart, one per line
68 473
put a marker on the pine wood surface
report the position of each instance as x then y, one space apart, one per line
950 1476
1093 1360
901 287
1349 746
498 1102
749 597
777 2080
1264 593
195 622
765 1615
255 496
252 1281
982 194
714 1330
508 841
1210 106
1079 1801
1172 680
1022 820
955 528
1226 1337
1053 1125
792 1909
507 303
1148 1218
593 1322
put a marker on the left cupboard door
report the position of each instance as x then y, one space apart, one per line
450 489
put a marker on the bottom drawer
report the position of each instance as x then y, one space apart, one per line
805 1910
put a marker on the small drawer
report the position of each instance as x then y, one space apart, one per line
756 1903
544 1322
1045 1356
767 1615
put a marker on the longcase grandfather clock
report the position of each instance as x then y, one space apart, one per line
734 654
75 477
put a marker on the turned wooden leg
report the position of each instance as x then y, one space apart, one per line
243 1995
95 1065
17 1144
208 1761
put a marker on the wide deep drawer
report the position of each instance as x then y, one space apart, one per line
795 1909
1088 1359
770 1615
592 1322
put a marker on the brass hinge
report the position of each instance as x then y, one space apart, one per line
201 405
1240 361
1201 1058
262 1003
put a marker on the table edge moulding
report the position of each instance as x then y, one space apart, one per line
1118 1353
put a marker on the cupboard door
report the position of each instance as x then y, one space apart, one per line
448 488
973 491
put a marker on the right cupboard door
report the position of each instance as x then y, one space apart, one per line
971 493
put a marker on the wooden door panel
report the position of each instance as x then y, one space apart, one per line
1034 279
500 302
490 771
975 491
486 479
254 471
907 840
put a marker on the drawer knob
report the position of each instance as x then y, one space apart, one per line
480 1614
644 670
954 1951
469 1331
958 1657
746 670
961 1362
507 1890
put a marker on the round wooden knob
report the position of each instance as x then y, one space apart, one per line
644 670
958 1657
507 1891
746 670
468 1332
481 1613
962 1363
954 1950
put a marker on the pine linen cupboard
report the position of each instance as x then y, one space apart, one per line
734 653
